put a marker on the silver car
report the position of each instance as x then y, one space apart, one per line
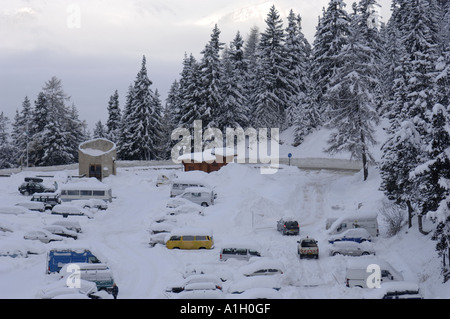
351 248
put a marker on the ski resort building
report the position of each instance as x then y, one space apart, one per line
96 158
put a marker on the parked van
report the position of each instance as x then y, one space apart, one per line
178 186
238 251
86 189
190 239
355 220
358 272
199 195
98 273
58 257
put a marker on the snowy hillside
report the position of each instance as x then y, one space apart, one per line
246 211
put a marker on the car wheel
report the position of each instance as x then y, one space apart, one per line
365 253
205 204
336 253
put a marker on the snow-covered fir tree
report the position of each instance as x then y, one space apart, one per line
7 150
414 167
77 129
21 133
272 88
99 130
190 92
250 57
211 108
331 35
351 98
161 135
123 144
298 52
58 141
173 106
235 104
138 138
114 117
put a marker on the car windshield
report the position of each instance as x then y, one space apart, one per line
292 224
309 243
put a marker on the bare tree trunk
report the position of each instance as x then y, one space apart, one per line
364 157
410 213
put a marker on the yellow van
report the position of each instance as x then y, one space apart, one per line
190 239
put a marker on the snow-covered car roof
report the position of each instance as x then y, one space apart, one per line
239 245
191 231
257 293
206 285
32 205
197 190
89 202
202 278
186 209
68 223
177 201
14 210
67 208
244 284
395 287
200 294
53 289
91 183
164 226
6 226
30 247
63 229
353 232
72 295
261 263
86 266
49 194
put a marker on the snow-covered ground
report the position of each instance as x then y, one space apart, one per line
246 210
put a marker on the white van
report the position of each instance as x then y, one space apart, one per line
179 186
199 195
358 272
355 220
85 189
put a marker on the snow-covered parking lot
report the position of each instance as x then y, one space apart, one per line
246 210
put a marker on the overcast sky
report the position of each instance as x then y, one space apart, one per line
96 46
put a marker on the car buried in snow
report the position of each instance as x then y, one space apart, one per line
351 248
357 235
42 235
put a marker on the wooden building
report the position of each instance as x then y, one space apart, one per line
208 161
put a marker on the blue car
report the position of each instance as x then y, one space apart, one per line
57 258
358 235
